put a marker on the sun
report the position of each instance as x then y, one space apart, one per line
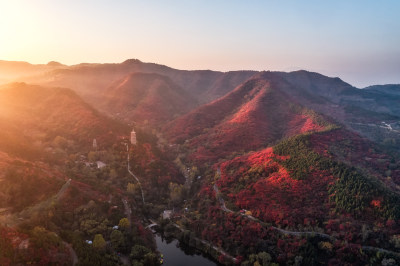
18 30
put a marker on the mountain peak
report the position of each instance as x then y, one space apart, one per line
54 64
131 61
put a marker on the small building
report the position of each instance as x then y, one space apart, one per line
167 214
133 137
100 164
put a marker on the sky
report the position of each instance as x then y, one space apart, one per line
356 40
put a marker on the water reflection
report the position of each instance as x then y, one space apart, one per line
178 254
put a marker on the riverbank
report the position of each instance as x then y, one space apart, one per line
176 253
188 238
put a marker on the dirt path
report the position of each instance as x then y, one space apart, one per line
63 189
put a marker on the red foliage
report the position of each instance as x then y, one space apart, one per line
376 203
207 191
222 227
147 98
221 258
26 183
257 182
16 249
155 170
54 111
241 121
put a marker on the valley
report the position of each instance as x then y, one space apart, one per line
244 167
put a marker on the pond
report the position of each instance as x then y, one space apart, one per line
178 254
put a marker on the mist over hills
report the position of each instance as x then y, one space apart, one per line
280 166
90 79
331 96
147 98
40 114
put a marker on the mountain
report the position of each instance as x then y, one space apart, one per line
332 97
15 70
91 81
384 98
41 128
318 187
258 167
284 158
287 177
147 99
372 112
309 84
32 117
254 115
25 183
393 89
48 171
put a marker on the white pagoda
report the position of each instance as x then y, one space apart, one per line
133 137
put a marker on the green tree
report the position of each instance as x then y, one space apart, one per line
92 156
131 188
124 223
150 259
137 263
117 239
138 252
113 173
99 242
264 257
41 238
176 192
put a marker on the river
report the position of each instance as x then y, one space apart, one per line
177 254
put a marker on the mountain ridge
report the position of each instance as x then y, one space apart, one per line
246 118
266 166
147 97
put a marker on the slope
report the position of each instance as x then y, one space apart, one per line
147 99
372 112
311 195
32 117
254 115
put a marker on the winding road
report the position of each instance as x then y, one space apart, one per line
250 217
293 233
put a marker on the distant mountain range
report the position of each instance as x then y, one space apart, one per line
182 90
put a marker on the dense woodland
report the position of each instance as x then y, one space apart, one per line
260 176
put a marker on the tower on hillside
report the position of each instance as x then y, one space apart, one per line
133 137
94 144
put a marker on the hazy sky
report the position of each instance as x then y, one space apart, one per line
358 41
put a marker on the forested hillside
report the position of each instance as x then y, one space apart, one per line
248 168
